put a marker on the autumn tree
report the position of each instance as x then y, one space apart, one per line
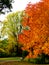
36 39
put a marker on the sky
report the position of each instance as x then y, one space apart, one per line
18 5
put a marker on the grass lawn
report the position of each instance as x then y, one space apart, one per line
15 61
11 59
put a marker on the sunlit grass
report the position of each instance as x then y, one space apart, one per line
15 61
11 58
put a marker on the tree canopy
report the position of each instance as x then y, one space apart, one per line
5 4
11 28
36 39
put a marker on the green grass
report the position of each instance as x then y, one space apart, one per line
14 61
11 58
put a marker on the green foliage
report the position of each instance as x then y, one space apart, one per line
12 24
11 28
24 54
6 49
3 43
42 59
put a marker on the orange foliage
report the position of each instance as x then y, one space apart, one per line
36 39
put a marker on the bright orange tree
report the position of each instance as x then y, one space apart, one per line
36 39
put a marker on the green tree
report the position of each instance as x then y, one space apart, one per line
12 25
11 28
